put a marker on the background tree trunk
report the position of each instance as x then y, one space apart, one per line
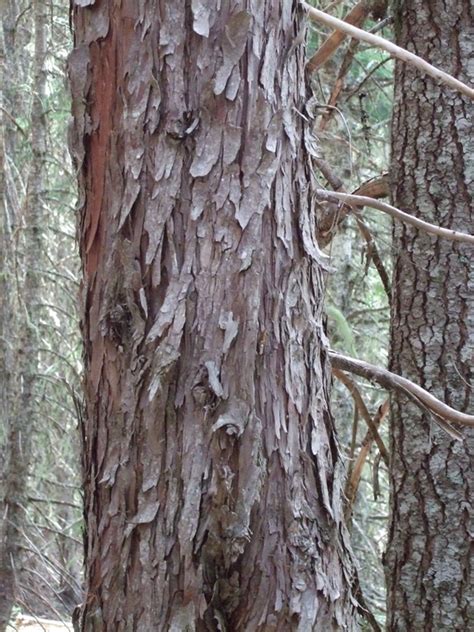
21 359
211 466
6 326
429 570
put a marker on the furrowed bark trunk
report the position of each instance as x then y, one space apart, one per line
21 358
428 563
212 471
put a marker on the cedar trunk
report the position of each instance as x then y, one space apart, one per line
212 471
429 568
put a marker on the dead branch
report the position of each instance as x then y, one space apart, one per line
373 253
338 85
327 49
375 187
362 200
335 215
359 402
14 121
393 49
428 403
352 484
368 75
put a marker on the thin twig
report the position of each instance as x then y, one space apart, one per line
352 484
328 224
353 444
54 501
369 74
375 477
362 200
339 84
364 609
327 49
14 121
393 49
357 397
373 253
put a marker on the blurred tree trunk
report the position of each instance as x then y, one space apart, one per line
6 582
429 569
20 339
212 470
9 399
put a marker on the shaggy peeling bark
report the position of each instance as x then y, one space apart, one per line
212 471
429 568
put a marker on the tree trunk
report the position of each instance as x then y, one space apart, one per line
212 470
6 326
429 569
21 358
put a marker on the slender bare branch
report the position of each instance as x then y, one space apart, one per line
14 121
368 75
393 49
329 223
65 503
327 49
359 402
356 473
373 253
338 87
391 381
362 200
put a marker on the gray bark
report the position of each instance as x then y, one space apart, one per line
6 583
428 561
212 470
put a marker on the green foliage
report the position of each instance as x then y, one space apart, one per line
341 331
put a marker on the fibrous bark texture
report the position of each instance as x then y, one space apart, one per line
429 568
211 465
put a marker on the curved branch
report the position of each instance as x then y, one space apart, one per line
391 381
362 200
377 187
395 51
